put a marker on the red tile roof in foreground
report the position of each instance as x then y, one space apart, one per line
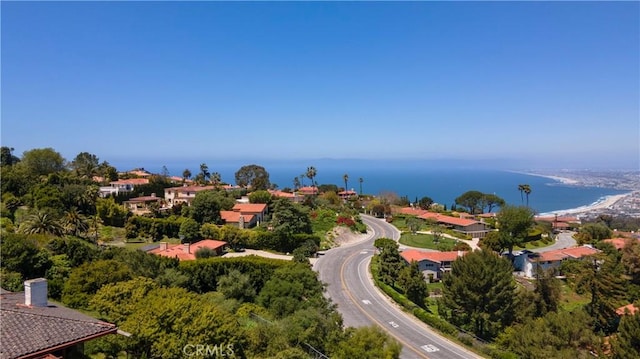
179 251
437 257
572 253
131 181
627 309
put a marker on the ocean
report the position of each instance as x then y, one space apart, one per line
412 179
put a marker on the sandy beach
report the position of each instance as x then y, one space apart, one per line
563 180
606 202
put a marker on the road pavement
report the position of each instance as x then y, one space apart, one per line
346 271
564 240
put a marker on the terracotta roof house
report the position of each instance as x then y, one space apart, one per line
470 227
308 191
628 309
291 196
239 219
122 186
528 261
141 205
432 264
620 242
347 194
260 210
183 194
31 327
412 211
187 251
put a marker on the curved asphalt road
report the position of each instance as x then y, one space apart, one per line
346 271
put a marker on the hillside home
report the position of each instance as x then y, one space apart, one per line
259 210
527 261
470 227
31 327
122 186
142 205
432 264
288 195
187 251
238 219
184 194
308 191
620 242
345 195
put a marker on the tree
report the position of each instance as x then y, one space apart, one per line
6 156
592 233
626 344
206 206
389 260
261 196
631 260
204 175
490 201
471 200
547 292
186 174
367 343
236 285
360 180
521 189
85 165
74 223
513 225
42 161
253 176
311 174
413 283
414 224
42 222
425 202
479 293
290 218
190 231
21 254
296 183
345 178
205 252
85 280
527 192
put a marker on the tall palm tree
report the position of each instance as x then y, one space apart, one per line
42 222
527 192
521 189
302 176
204 172
216 178
360 180
346 180
311 174
296 183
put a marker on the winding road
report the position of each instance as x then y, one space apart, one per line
349 284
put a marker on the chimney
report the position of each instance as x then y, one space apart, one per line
186 247
153 195
460 253
35 292
163 246
241 222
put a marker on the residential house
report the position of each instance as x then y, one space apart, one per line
620 242
293 197
259 210
345 195
238 219
183 194
470 227
122 186
528 262
187 251
628 309
308 191
559 223
31 327
142 205
432 264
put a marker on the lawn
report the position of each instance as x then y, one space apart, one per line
427 241
570 300
111 234
534 245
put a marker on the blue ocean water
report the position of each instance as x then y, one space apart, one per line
414 180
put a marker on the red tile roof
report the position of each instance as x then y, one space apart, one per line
234 217
436 257
573 253
144 199
250 207
448 219
179 250
282 194
619 242
132 181
412 211
308 190
190 188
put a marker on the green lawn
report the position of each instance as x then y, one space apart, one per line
427 241
534 245
111 234
570 300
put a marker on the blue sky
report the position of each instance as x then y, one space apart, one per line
548 83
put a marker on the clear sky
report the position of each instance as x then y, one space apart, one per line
545 82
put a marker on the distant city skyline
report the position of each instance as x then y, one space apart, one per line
539 84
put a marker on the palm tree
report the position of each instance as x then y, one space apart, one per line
302 176
527 192
296 183
360 180
521 189
41 222
346 180
186 174
216 178
74 223
311 174
204 172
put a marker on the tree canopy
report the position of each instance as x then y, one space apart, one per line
253 176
